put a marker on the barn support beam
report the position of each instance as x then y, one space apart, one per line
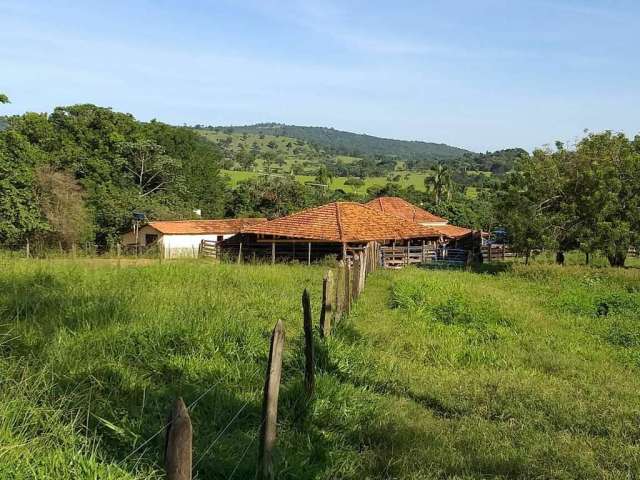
273 253
309 254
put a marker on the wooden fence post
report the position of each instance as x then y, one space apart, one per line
270 404
28 249
327 304
177 453
309 361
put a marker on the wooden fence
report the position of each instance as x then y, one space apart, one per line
341 286
494 252
401 256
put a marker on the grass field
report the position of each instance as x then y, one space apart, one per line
406 179
527 373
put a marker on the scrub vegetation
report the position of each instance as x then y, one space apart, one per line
509 372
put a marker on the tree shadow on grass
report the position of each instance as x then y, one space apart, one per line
43 302
493 268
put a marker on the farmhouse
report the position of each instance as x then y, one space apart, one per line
182 238
338 229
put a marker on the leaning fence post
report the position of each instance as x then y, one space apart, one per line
309 377
177 453
327 307
270 404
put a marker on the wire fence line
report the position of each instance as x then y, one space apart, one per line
341 288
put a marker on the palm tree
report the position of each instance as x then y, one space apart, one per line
4 98
439 184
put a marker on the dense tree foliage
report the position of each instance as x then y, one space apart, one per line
118 164
588 197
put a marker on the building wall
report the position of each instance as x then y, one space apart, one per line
174 246
130 239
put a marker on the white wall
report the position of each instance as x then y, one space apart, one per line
185 245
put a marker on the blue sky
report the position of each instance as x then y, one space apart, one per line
479 74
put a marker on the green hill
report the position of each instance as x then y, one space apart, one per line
355 144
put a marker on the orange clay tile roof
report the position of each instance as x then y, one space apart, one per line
195 227
452 231
402 208
343 222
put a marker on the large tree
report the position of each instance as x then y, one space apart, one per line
587 197
439 183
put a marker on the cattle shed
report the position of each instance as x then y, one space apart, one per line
336 229
182 238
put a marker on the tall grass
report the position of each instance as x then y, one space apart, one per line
529 373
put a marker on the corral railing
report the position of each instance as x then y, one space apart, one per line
495 252
400 256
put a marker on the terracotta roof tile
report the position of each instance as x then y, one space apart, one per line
343 222
452 231
402 208
195 227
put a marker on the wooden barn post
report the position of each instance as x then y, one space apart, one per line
408 249
309 255
327 307
273 253
339 289
309 363
240 253
178 454
347 287
270 404
355 281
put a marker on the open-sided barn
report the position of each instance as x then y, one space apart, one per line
334 229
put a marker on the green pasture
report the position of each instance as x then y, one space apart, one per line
508 372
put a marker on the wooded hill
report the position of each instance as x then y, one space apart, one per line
355 144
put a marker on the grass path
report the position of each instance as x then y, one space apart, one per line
518 388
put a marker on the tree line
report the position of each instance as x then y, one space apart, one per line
79 173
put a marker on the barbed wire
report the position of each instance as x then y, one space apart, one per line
219 436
